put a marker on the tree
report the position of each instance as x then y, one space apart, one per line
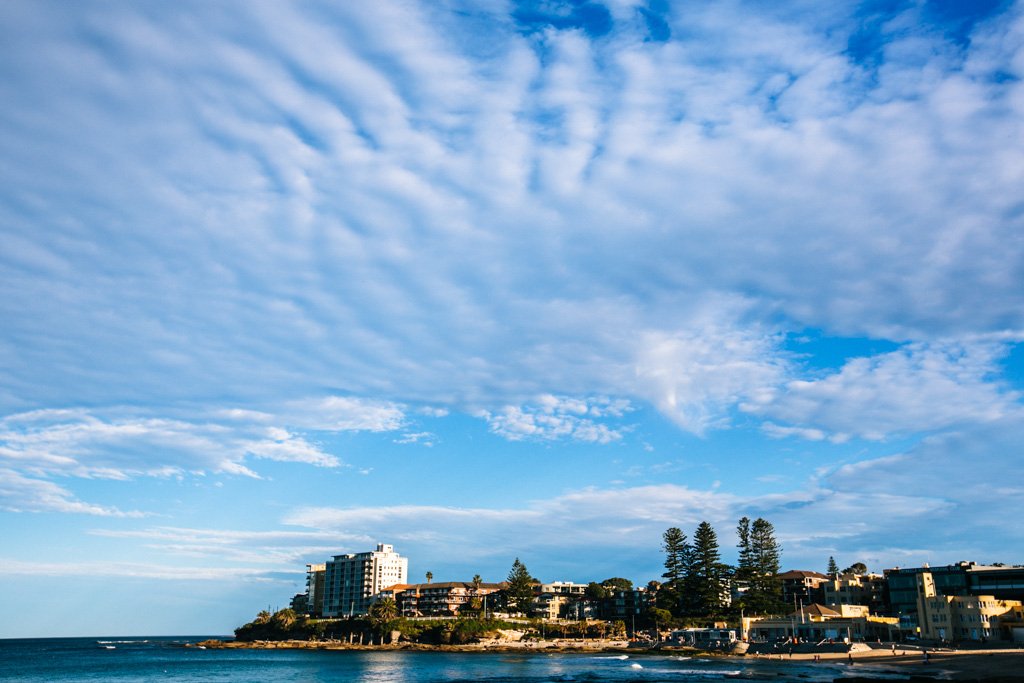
383 611
706 573
856 568
764 594
745 562
833 568
677 552
617 583
284 619
520 587
595 591
263 617
677 563
657 617
430 576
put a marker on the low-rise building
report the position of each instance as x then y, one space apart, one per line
815 623
855 589
439 599
564 588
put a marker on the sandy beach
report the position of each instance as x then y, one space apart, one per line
961 665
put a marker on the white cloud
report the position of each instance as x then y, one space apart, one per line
281 549
558 417
127 570
396 201
425 438
919 388
343 413
468 225
19 493
695 379
589 520
122 444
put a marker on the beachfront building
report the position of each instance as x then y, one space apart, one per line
958 617
315 575
352 580
815 623
440 599
906 587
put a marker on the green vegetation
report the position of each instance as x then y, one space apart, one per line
697 582
764 593
520 588
282 625
376 628
707 574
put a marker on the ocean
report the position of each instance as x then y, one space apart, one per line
134 660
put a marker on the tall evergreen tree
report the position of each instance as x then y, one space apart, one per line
745 564
765 593
520 587
707 573
677 564
833 568
677 552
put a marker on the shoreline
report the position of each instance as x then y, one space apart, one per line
990 666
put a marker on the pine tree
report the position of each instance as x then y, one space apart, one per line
707 573
745 563
520 587
677 564
833 568
765 593
677 551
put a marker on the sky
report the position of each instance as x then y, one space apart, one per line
492 279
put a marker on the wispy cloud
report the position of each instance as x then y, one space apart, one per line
462 226
143 571
917 389
19 493
552 417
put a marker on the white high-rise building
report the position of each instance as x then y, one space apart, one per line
353 579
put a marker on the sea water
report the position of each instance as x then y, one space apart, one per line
134 660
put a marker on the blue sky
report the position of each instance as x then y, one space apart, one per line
489 280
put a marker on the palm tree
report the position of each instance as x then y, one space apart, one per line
474 602
285 619
263 617
384 610
430 576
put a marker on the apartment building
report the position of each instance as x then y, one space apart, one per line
801 587
352 580
315 576
963 579
856 589
964 617
441 599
